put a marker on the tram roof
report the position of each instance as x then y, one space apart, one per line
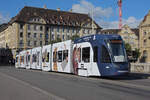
97 37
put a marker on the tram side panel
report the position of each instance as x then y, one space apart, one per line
46 58
61 57
83 62
36 58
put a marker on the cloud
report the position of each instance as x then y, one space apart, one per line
102 14
4 18
89 8
130 21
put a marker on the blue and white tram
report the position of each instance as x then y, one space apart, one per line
93 55
100 55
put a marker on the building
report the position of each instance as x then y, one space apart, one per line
131 36
144 28
33 27
128 34
2 35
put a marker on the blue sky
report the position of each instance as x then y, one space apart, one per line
105 11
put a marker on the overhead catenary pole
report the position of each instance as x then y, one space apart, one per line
92 13
120 13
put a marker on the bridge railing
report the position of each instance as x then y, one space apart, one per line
140 67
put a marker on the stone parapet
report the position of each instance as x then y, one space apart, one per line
140 67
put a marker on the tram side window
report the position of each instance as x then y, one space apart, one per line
54 56
65 55
28 58
95 56
47 58
16 59
105 58
59 56
22 59
86 54
34 58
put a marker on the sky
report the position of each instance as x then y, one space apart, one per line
105 12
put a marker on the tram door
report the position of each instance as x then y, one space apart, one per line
81 56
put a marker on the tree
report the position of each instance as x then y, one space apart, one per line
74 37
136 54
133 55
128 49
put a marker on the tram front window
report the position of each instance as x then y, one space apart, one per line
117 50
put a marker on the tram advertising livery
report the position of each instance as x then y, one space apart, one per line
93 55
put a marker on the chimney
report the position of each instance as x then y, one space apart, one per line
58 9
44 7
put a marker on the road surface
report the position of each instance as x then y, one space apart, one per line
23 84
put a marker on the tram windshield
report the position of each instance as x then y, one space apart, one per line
117 50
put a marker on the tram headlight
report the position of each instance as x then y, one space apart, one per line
107 67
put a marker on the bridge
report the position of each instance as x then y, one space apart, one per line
23 84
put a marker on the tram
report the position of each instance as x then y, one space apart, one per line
93 55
